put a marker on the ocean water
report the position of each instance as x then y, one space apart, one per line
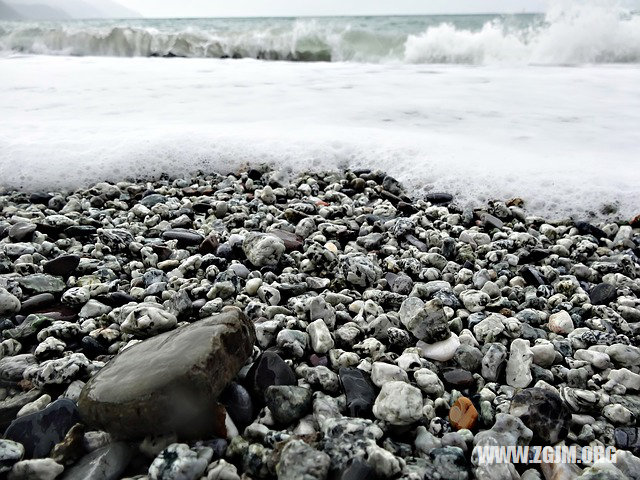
544 107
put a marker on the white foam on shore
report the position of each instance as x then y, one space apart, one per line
565 139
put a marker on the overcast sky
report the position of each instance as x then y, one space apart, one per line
224 8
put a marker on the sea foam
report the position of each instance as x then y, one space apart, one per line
564 139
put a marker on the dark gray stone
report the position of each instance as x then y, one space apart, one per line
63 266
106 463
359 391
170 382
183 236
603 294
38 432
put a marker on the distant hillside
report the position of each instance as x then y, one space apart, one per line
61 9
8 13
40 12
113 9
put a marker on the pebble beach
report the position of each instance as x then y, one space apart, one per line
326 325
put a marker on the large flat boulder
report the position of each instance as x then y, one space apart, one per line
171 382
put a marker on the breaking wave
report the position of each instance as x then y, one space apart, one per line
573 34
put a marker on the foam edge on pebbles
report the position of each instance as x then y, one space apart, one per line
390 335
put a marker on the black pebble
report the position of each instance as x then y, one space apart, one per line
602 294
358 390
40 431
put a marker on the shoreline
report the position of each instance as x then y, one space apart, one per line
392 334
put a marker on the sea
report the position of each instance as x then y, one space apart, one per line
542 107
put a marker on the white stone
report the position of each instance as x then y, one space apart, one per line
9 303
93 309
409 360
474 300
179 462
49 345
76 296
384 463
561 323
252 286
39 469
9 348
544 353
398 403
38 404
262 249
599 360
222 470
489 329
146 319
624 355
10 453
442 351
320 337
624 377
429 382
59 371
382 373
519 364
618 414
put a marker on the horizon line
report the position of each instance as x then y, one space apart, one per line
332 15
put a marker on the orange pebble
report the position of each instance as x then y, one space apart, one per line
463 414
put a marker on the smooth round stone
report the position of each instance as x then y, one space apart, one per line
544 412
92 347
184 236
21 231
117 299
37 302
38 432
169 382
10 407
439 198
442 351
153 199
321 340
603 294
358 390
62 266
561 323
458 377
